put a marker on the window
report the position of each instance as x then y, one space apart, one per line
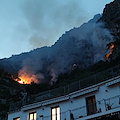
91 105
18 118
32 116
55 113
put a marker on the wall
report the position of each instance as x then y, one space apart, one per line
70 104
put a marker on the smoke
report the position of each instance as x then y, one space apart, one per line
82 46
48 19
28 76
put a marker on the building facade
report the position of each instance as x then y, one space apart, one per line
100 101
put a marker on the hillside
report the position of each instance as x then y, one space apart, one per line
82 46
111 18
79 53
11 91
8 89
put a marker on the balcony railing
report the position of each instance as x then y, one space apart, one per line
77 113
112 103
64 90
81 112
87 110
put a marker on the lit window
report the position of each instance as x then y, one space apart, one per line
18 118
91 105
55 113
32 116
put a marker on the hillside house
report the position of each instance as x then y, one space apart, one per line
98 101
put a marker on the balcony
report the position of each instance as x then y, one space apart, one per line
112 103
106 107
87 110
82 112
78 113
97 109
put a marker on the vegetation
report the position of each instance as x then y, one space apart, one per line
12 89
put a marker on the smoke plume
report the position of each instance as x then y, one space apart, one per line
82 46
47 19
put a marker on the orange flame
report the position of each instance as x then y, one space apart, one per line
110 48
21 82
25 76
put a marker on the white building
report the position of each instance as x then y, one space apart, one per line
99 101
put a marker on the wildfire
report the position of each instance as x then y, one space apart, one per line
21 82
25 76
110 48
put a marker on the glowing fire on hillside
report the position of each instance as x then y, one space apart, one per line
26 77
110 49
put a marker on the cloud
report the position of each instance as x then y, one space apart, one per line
48 19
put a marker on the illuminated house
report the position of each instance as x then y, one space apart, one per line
78 101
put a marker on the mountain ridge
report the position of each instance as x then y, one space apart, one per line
14 64
82 46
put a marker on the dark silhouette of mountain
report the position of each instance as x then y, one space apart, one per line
82 46
111 17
